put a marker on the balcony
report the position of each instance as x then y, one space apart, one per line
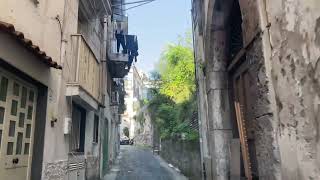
118 62
84 83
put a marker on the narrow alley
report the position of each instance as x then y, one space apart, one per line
159 89
139 163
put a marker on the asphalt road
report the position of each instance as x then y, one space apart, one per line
136 163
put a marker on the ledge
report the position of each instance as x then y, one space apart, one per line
78 95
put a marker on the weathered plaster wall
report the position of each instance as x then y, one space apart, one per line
36 21
261 123
202 101
56 146
145 135
92 149
183 155
259 116
295 63
92 168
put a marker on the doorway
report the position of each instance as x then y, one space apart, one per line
18 104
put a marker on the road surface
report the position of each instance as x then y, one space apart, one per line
137 163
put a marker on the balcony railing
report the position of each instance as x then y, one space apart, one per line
84 68
112 41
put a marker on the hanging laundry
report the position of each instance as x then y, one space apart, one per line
132 47
121 41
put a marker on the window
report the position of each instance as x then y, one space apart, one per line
23 97
3 88
16 89
12 128
14 107
31 96
28 131
26 148
19 143
77 138
29 114
96 129
1 115
10 148
21 120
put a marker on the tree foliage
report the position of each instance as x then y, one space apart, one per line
173 101
176 69
126 131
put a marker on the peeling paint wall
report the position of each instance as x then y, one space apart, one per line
261 131
285 85
295 62
261 123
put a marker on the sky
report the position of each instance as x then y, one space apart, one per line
156 24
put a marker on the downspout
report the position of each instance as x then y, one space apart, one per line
63 42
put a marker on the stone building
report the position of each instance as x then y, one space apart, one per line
59 70
136 83
258 79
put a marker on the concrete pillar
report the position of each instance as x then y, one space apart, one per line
220 131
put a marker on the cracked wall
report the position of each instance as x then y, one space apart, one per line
295 63
285 85
259 117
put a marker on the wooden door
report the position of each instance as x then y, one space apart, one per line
17 118
240 90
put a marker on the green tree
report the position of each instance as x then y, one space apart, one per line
177 72
126 131
174 101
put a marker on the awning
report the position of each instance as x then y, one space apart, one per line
27 43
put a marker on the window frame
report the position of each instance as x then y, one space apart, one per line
78 139
95 138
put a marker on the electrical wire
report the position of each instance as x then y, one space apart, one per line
139 5
135 2
143 2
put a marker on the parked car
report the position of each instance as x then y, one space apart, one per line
131 141
124 141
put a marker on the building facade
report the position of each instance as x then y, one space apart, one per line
59 118
136 88
257 69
